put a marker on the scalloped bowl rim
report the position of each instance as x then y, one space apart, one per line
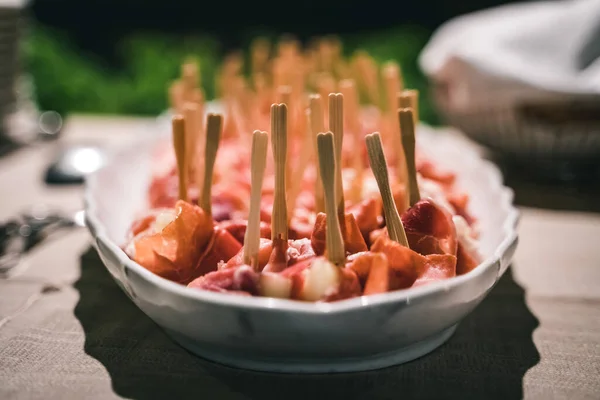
509 228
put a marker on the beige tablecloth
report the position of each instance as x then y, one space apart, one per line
67 331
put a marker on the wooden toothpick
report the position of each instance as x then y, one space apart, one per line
260 140
334 243
279 147
295 182
380 171
214 128
392 83
179 145
176 96
317 125
325 86
352 109
260 50
190 111
366 73
284 94
410 99
190 77
336 125
407 124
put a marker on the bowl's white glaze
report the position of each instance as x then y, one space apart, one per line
291 336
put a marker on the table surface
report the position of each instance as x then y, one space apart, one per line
67 331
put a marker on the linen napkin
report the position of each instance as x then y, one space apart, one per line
529 50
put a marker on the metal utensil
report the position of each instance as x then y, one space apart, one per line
74 162
27 230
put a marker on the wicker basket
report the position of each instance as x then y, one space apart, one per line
557 136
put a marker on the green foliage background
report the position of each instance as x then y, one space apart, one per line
68 80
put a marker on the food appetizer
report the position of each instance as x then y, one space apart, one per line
345 205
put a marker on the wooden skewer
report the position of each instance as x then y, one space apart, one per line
298 83
231 67
284 94
317 125
391 77
223 86
343 70
199 146
294 48
325 86
410 99
260 55
367 72
407 123
176 96
263 93
334 243
191 135
295 182
245 102
233 122
197 96
311 67
335 48
260 141
279 147
313 51
179 145
379 168
214 128
326 55
351 106
234 62
287 46
336 125
279 72
190 77
348 89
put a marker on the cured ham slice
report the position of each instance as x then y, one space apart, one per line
409 268
237 229
429 229
353 239
174 252
312 222
242 280
428 170
296 251
468 257
372 270
368 216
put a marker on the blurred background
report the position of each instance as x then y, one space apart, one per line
116 56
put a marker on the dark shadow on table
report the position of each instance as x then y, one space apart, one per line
552 185
486 358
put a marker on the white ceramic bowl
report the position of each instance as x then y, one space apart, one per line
290 336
